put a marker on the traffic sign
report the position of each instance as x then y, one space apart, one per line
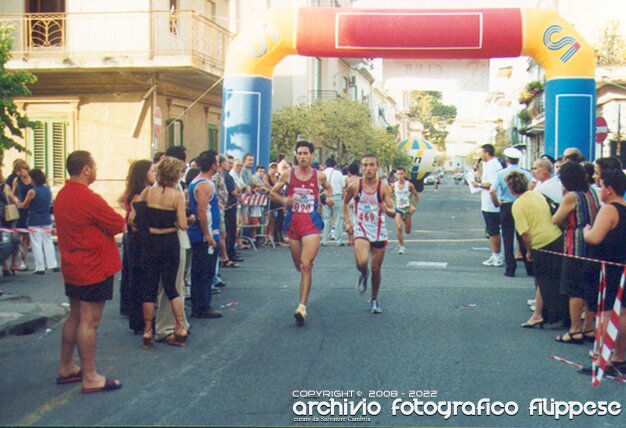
602 129
157 121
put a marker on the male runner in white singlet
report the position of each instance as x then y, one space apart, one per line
372 200
406 197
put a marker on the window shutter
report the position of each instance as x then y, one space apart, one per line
175 132
39 145
213 131
57 172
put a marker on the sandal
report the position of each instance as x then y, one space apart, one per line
229 264
70 378
148 341
573 337
109 385
176 339
589 335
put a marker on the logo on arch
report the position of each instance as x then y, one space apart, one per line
552 42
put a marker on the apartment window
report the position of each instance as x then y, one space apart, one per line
210 10
213 137
173 18
45 6
48 145
45 23
175 132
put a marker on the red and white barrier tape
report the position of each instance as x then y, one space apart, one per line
27 230
621 379
254 200
556 253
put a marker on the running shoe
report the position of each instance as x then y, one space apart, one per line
300 315
494 261
361 286
531 302
376 309
401 249
489 261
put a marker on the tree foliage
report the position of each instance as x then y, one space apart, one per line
435 116
611 50
342 127
503 138
12 84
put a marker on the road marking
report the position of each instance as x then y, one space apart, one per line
439 265
447 230
58 401
442 240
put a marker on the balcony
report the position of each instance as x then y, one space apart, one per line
117 39
315 96
536 107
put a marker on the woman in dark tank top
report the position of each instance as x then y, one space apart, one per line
161 250
609 235
141 174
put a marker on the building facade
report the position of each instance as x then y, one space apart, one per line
119 78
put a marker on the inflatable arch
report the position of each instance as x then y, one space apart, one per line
409 33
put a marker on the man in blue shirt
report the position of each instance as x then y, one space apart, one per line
502 197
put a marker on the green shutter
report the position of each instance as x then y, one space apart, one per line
213 132
48 146
57 172
174 132
39 145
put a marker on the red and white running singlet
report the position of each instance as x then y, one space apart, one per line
369 218
303 217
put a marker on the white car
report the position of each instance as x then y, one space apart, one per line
431 179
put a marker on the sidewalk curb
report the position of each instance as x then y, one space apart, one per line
20 316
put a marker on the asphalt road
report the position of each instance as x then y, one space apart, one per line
449 332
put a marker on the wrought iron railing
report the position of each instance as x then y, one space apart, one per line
119 37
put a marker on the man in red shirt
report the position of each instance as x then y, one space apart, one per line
86 228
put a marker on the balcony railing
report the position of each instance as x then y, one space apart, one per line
118 38
316 96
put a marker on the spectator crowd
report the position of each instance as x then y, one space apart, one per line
185 220
569 220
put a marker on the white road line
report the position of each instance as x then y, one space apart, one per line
440 265
442 240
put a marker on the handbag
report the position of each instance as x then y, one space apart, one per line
11 212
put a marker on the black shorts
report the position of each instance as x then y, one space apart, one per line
98 292
376 244
492 221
